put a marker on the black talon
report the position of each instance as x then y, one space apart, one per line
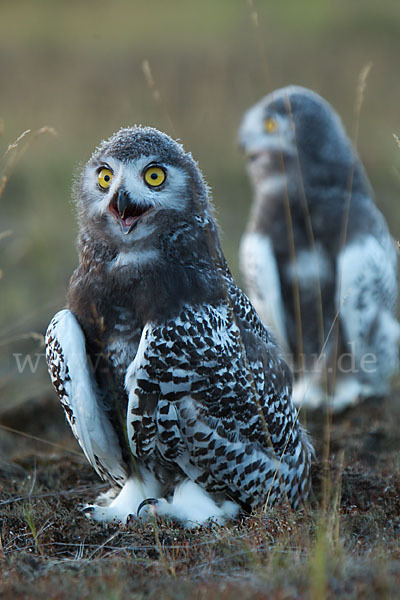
152 501
88 509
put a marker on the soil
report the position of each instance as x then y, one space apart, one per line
345 543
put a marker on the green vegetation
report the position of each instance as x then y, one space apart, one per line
77 67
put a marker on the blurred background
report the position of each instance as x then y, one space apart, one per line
77 67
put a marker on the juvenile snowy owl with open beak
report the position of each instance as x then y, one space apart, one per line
171 384
317 251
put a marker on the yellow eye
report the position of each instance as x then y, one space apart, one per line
105 177
154 176
270 125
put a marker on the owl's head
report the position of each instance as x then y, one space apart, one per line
139 188
291 127
146 221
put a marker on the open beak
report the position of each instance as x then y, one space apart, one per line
126 212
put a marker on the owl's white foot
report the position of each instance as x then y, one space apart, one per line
191 506
308 394
349 391
126 503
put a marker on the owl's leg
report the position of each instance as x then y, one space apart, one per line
371 332
366 366
191 506
126 503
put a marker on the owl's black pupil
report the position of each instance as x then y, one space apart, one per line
106 178
154 176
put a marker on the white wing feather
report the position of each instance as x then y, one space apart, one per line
74 382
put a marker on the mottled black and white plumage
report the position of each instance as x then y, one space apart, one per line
171 384
316 245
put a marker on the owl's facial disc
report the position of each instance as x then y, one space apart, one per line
266 132
127 195
126 211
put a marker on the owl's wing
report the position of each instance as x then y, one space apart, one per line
260 271
194 396
164 371
367 294
75 385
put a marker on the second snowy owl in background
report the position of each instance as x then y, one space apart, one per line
171 384
316 246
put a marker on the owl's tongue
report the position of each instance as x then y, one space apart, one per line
126 211
129 220
129 217
131 213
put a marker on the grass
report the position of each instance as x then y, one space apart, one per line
348 549
78 68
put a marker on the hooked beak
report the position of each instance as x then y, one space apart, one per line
126 212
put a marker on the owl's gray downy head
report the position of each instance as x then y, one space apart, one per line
138 189
294 132
146 224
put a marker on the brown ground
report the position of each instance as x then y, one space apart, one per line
350 549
